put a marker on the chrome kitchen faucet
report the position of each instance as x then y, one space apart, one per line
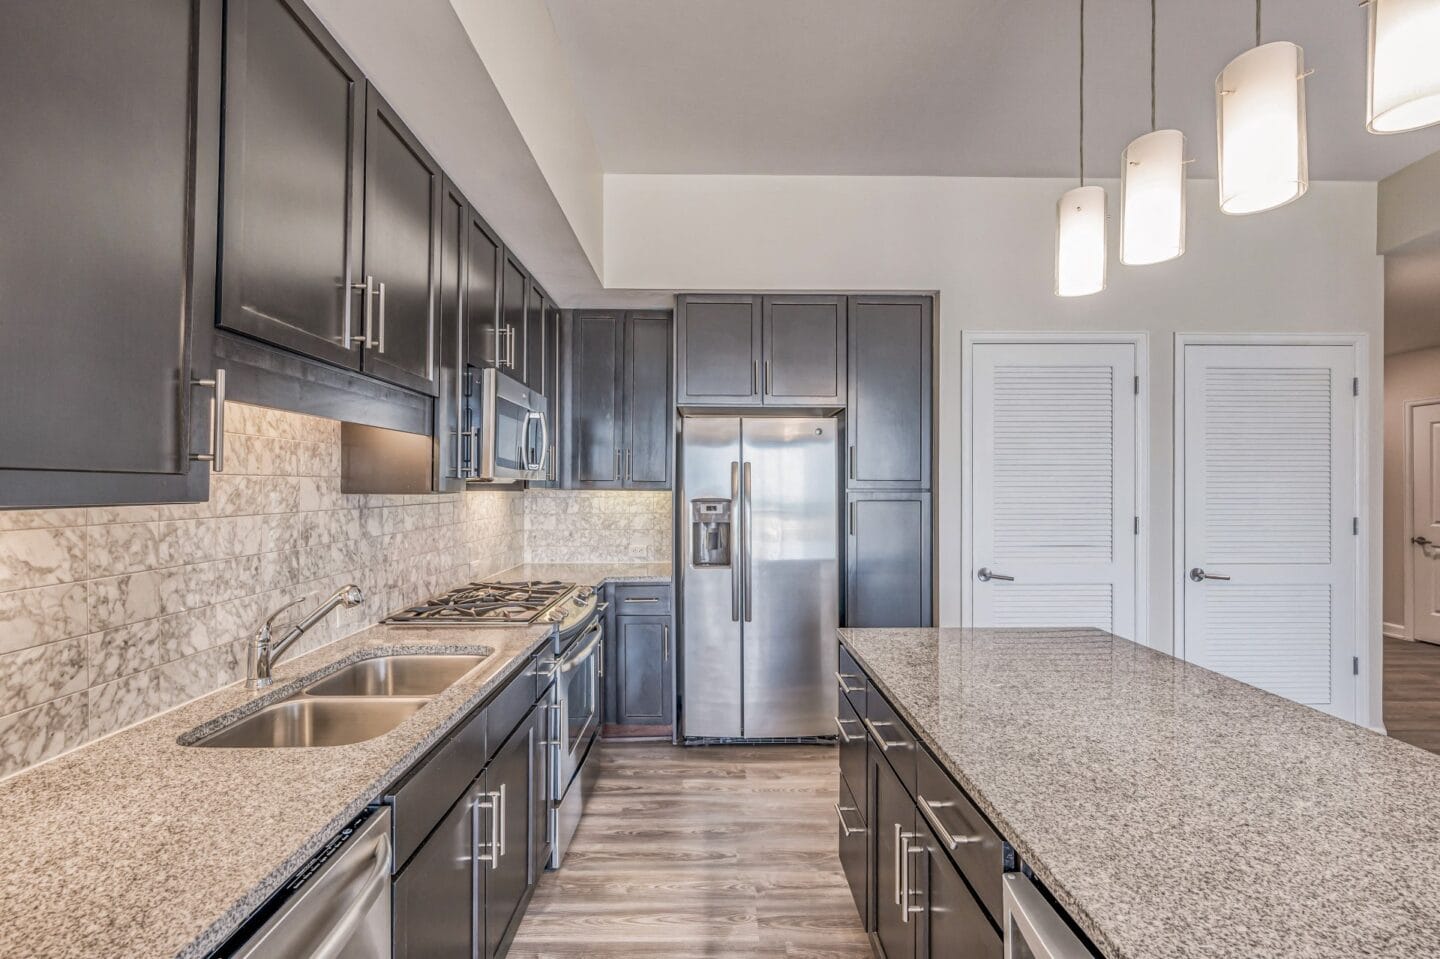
264 651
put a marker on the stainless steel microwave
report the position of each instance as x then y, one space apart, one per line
514 432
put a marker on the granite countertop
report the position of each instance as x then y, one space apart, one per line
137 846
1175 812
590 574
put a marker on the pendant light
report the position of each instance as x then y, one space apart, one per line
1404 86
1260 114
1080 219
1152 188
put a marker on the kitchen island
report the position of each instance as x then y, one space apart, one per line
1171 811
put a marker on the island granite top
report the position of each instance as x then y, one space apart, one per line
1174 812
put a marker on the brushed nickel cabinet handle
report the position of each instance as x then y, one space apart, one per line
215 452
928 807
845 828
665 643
380 338
500 829
841 679
368 314
845 737
898 855
640 599
905 891
885 746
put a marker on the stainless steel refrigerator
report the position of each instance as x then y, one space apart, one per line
761 577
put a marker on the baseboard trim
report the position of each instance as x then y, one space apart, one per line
1394 631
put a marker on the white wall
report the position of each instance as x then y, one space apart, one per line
517 43
986 245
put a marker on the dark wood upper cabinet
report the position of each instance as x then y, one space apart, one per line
453 451
649 433
292 219
402 238
514 287
718 350
889 407
483 255
110 153
594 430
804 351
551 358
535 338
887 559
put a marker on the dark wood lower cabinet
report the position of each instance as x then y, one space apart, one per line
640 680
510 789
949 923
892 825
854 833
434 895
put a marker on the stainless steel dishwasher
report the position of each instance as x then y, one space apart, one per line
336 907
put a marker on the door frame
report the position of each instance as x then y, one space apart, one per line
1407 628
1140 341
1360 345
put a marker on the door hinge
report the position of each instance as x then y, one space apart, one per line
1355 665
1137 526
1355 526
1355 386
1137 385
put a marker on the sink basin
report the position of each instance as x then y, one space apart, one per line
316 722
419 675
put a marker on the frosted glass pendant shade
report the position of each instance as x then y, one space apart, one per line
1404 89
1152 198
1080 242
1260 113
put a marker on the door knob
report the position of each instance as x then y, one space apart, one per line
984 575
1199 575
1421 541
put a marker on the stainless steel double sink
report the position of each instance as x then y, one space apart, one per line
361 701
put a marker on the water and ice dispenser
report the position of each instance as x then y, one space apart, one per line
710 532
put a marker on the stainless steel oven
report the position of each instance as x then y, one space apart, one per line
578 675
1033 927
514 432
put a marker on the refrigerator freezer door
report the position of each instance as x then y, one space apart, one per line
792 596
709 467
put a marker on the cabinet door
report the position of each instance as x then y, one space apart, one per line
535 338
887 559
514 284
509 781
553 393
892 827
434 896
482 294
453 451
950 923
292 206
594 431
649 411
888 415
640 689
718 351
854 840
804 351
402 239
109 153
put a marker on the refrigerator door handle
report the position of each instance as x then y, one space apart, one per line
745 534
735 555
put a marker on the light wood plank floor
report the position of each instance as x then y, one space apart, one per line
1412 693
701 852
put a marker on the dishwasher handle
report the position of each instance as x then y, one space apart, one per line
1032 926
375 881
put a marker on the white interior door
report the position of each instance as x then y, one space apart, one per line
1053 501
1424 531
1269 555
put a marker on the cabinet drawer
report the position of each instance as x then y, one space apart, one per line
854 842
851 680
641 599
505 711
851 734
891 737
962 831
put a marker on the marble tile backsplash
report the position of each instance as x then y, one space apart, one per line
597 526
110 615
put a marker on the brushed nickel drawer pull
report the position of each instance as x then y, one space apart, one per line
885 746
845 828
841 679
928 807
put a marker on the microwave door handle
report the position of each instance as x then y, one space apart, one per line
544 440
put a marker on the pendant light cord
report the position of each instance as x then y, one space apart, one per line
1152 66
1257 23
1082 92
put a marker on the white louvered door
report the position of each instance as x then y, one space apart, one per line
1269 499
1053 497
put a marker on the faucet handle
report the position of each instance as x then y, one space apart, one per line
270 620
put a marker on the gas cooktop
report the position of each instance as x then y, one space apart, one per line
484 603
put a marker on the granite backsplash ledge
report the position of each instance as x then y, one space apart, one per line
110 615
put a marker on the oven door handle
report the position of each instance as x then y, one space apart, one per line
573 660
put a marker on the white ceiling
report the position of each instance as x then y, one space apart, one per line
942 87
